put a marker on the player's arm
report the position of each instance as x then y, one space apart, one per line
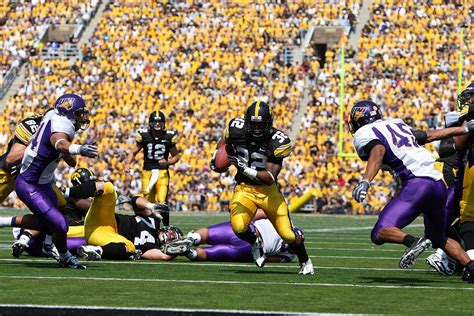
131 155
70 160
89 189
156 254
175 156
376 153
15 155
61 143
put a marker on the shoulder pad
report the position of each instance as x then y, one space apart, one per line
235 132
27 127
171 136
140 135
280 144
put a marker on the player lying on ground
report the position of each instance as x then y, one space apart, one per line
226 246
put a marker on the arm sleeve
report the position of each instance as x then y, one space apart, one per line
361 139
63 125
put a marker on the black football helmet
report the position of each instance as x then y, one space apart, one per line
363 113
168 234
258 121
466 97
82 175
157 121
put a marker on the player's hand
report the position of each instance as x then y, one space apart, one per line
15 170
469 126
212 163
164 163
360 191
238 162
88 151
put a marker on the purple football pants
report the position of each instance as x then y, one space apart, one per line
226 246
42 201
417 196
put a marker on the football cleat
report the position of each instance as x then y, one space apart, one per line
50 251
306 268
177 247
71 262
260 262
191 236
90 253
467 276
413 252
440 263
18 247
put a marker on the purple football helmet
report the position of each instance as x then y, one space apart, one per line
73 107
466 98
363 113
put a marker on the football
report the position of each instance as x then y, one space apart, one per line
221 160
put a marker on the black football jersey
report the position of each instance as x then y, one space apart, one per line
23 133
274 149
141 230
154 148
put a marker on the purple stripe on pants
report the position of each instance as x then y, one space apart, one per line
417 196
42 201
226 246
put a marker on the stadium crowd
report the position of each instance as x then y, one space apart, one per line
213 60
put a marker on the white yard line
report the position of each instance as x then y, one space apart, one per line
220 264
227 282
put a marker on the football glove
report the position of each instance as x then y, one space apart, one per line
469 126
360 191
238 162
15 170
88 151
177 247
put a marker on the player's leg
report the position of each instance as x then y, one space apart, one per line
59 196
228 253
277 212
242 210
161 195
146 176
7 184
102 212
198 237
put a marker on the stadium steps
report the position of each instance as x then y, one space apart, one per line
17 83
296 125
364 16
89 31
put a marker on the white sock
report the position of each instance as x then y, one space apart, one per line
24 238
64 256
48 240
195 237
6 221
440 252
470 253
192 254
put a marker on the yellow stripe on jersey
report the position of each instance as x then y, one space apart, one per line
23 134
283 150
138 137
226 133
257 107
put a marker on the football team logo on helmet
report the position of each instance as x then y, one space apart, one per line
363 113
157 120
258 121
82 175
73 107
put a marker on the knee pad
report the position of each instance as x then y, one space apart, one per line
374 234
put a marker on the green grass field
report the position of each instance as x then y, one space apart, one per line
352 276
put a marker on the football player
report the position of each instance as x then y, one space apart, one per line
259 152
226 246
33 185
10 161
117 236
392 142
160 152
136 228
466 105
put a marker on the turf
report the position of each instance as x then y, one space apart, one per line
352 276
